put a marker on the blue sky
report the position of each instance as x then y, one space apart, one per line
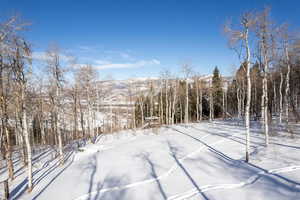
140 38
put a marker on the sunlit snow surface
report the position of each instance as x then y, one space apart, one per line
194 161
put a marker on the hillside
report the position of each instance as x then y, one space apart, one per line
187 161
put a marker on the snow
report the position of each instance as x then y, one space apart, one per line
187 161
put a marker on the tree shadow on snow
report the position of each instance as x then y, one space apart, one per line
248 169
174 150
145 156
100 189
21 188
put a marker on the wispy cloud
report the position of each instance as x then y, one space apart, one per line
85 48
102 62
42 56
39 55
119 59
137 64
126 55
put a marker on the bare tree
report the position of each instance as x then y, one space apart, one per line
131 104
286 45
11 55
211 102
241 37
187 70
57 79
21 57
196 80
265 43
280 97
161 105
86 76
201 97
174 100
165 76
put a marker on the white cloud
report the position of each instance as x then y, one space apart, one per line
126 56
42 56
137 64
85 48
39 55
102 62
121 54
157 62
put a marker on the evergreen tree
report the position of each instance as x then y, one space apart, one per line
217 92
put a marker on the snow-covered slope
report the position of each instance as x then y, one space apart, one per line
193 161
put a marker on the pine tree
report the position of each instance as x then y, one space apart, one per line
217 92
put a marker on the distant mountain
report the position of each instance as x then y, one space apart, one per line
118 92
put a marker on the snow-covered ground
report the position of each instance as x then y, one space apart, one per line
191 161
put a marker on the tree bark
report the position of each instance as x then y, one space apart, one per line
247 113
28 145
200 104
186 116
197 98
280 97
287 89
174 102
211 104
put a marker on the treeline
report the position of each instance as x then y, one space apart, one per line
179 100
278 99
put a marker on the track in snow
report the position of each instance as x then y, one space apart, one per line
164 175
252 179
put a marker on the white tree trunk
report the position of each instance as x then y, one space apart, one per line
243 97
89 117
275 97
133 116
247 113
287 89
43 131
167 102
142 109
174 103
265 102
58 127
266 123
151 101
170 106
223 103
197 98
186 116
27 140
59 135
280 97
161 107
42 127
127 116
211 104
200 104
239 106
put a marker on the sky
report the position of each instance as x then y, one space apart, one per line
140 38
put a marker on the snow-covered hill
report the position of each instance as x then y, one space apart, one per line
191 161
